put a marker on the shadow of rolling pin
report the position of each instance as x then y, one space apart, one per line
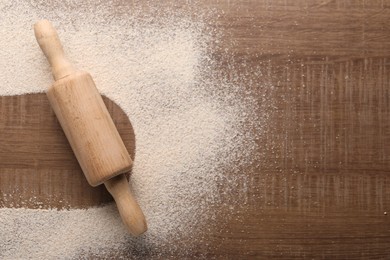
89 128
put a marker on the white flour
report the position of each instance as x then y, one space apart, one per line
188 123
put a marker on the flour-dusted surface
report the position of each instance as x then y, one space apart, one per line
188 120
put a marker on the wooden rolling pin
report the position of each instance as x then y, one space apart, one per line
89 128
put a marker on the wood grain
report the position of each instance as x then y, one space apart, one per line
38 168
321 187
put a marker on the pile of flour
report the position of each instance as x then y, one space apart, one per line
156 64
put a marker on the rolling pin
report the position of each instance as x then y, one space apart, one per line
89 128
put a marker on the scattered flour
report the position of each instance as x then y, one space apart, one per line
188 121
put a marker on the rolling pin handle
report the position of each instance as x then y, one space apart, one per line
50 44
128 208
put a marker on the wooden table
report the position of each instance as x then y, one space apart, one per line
320 187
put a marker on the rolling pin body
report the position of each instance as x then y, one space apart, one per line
89 128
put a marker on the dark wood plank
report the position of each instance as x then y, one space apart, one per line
37 165
320 188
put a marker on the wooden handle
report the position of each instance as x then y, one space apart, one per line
50 44
130 212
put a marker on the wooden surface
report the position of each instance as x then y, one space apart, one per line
37 166
321 186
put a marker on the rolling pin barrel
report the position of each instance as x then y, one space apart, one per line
89 128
